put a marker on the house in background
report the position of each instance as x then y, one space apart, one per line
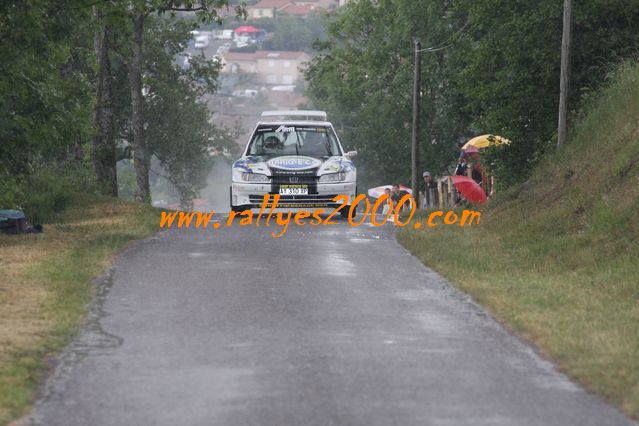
239 63
318 4
279 67
270 67
271 8
297 9
266 8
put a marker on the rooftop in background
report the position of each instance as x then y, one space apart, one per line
297 9
301 8
262 54
278 54
264 4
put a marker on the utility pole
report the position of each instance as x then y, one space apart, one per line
564 84
415 135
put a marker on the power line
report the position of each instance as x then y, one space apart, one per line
446 43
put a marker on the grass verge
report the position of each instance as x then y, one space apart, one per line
46 283
557 258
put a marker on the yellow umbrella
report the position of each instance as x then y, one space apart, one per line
484 141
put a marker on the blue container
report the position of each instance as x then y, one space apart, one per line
12 222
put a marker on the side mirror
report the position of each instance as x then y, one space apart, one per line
351 154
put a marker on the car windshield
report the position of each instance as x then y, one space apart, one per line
277 140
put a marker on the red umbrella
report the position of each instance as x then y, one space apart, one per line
247 29
469 189
471 150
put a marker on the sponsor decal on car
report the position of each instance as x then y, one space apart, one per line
243 165
332 168
336 165
251 165
291 162
284 129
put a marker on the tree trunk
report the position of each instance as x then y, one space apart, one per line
186 200
140 155
103 143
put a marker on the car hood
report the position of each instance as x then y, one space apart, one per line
293 163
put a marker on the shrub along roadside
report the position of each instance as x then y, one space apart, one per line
46 190
47 283
556 258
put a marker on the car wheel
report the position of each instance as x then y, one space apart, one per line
345 210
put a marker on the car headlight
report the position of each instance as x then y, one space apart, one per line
350 175
254 177
332 177
240 175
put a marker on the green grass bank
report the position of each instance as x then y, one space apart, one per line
46 283
557 258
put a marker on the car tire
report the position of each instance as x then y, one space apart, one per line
344 212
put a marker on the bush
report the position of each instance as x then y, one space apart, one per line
44 193
10 192
251 48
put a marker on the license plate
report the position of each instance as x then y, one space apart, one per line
293 190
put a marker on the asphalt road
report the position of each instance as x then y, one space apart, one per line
331 326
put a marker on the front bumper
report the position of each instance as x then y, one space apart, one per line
251 195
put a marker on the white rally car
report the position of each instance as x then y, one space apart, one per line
297 155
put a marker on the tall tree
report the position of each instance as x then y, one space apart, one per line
510 68
499 74
45 81
139 10
363 75
179 132
140 156
103 152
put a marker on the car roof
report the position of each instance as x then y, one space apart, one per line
296 114
294 123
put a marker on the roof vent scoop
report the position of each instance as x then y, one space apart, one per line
302 115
